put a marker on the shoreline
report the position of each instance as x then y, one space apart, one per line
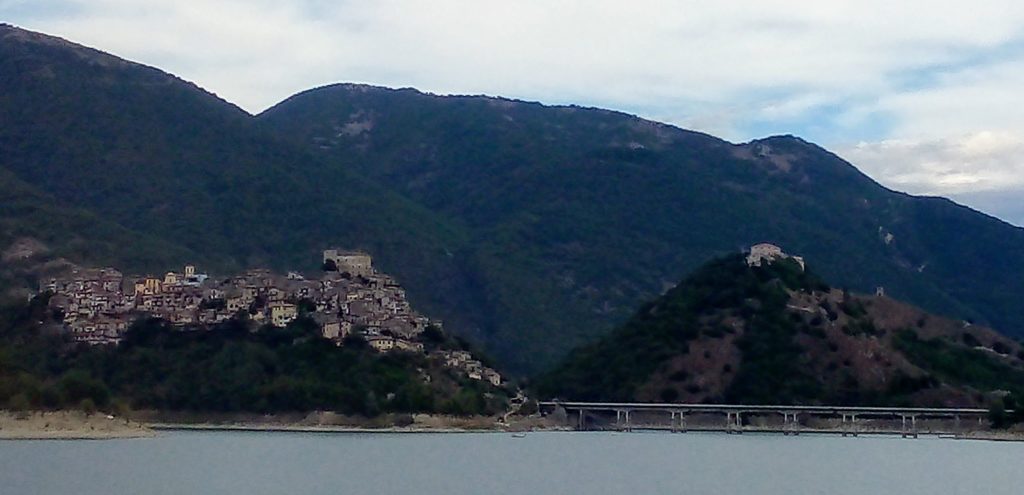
1005 436
322 429
993 436
547 426
327 422
74 425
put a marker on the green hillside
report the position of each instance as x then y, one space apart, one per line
224 369
161 157
530 229
582 214
158 154
37 233
774 334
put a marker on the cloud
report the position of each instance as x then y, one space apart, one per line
629 53
977 162
962 136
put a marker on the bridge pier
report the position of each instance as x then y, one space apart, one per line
678 422
912 431
790 423
849 425
622 420
733 422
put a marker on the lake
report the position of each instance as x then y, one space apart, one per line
179 462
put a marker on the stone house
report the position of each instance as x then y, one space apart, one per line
356 263
764 252
331 326
492 376
408 345
381 343
282 313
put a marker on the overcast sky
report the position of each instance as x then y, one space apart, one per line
926 97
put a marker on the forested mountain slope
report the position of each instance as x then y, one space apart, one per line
532 229
142 149
583 213
38 236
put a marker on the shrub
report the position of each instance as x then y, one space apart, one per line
87 406
402 420
669 394
19 403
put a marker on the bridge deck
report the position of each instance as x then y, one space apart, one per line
845 420
752 408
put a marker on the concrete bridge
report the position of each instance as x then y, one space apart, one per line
789 420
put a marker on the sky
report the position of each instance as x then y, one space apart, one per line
926 97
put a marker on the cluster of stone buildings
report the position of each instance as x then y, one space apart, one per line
99 303
350 297
464 362
764 252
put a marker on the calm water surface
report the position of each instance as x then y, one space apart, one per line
541 463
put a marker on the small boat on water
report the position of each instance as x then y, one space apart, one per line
519 435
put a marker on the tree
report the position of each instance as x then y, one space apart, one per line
1012 403
19 403
77 386
354 340
87 406
433 335
218 304
306 306
330 266
997 416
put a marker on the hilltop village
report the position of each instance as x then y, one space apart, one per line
350 298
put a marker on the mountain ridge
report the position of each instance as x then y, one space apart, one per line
564 176
530 228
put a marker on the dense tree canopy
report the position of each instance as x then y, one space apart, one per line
227 368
